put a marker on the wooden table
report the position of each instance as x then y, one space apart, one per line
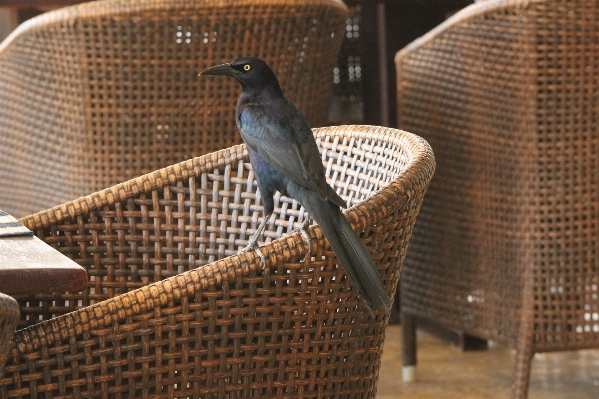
30 266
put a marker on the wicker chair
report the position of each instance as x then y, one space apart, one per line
98 93
507 241
170 315
9 317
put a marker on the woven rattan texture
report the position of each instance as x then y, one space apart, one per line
505 92
170 316
9 317
95 94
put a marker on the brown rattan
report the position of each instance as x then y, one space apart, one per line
508 239
172 316
98 93
9 317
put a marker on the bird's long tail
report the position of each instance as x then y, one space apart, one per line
350 250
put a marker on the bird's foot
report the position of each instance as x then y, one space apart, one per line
253 242
304 231
253 246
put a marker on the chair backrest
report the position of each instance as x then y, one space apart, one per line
506 93
101 92
173 315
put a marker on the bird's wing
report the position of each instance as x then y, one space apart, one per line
286 142
282 141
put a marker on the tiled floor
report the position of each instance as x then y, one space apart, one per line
445 373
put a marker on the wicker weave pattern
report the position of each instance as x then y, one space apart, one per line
507 239
9 317
229 328
95 94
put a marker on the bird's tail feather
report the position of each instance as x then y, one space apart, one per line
350 250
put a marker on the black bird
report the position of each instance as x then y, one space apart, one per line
285 158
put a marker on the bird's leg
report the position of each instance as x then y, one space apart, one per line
304 231
253 241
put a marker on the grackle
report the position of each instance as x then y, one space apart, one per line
285 158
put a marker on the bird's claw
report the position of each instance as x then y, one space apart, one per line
262 257
254 247
308 239
304 231
253 242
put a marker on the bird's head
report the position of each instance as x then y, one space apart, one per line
251 72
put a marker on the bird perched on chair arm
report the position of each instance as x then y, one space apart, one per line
285 158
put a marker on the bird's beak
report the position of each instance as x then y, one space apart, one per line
224 69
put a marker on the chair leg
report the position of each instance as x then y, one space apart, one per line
524 355
525 342
408 337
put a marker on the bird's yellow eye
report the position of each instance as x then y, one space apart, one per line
246 67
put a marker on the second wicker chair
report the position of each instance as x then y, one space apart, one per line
507 241
101 92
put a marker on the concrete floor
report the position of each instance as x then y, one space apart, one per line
446 373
